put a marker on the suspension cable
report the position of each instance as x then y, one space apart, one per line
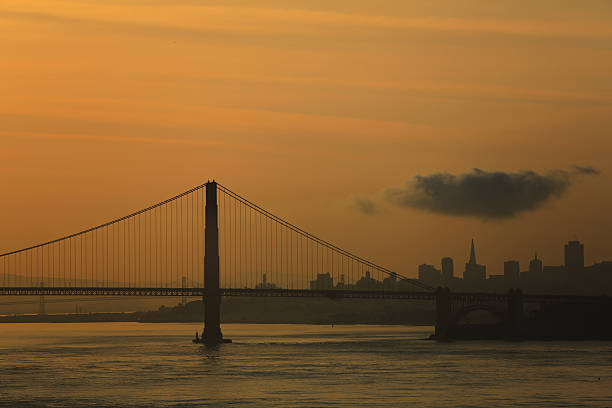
315 238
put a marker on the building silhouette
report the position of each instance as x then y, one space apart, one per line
429 275
574 260
512 273
601 274
390 282
447 270
265 284
551 274
474 272
368 283
573 277
535 266
323 281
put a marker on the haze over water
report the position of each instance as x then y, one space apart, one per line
132 364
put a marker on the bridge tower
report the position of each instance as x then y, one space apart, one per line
212 295
443 313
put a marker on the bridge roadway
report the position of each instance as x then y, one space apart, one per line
456 297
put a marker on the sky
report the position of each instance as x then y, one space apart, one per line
339 116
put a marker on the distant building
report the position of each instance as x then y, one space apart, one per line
448 270
601 274
553 275
323 281
368 283
574 260
512 272
474 272
390 282
497 281
429 275
535 266
603 268
265 284
535 274
341 283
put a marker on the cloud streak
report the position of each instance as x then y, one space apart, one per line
483 194
227 21
364 205
586 170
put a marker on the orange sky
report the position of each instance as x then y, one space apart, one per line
107 107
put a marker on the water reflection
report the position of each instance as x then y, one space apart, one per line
130 364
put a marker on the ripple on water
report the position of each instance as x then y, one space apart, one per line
294 365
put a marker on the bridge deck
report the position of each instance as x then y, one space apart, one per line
462 297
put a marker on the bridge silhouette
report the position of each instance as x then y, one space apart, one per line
211 242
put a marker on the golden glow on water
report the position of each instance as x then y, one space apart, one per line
131 364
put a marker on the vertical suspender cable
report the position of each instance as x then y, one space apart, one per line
267 258
234 244
181 243
192 259
300 262
139 279
291 260
239 235
249 270
123 274
176 244
170 271
250 267
226 233
261 248
165 252
178 208
128 253
81 261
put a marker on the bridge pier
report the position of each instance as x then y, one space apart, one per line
515 314
212 295
443 314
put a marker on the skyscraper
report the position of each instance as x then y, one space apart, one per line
447 269
474 272
535 267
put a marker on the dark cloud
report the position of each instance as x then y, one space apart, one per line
365 205
484 194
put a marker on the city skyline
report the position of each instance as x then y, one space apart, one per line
524 266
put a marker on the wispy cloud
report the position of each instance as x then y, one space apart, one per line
364 205
586 170
204 20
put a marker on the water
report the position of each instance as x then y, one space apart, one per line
137 365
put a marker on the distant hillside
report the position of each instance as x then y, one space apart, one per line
300 310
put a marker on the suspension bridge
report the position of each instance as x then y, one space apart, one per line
209 241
